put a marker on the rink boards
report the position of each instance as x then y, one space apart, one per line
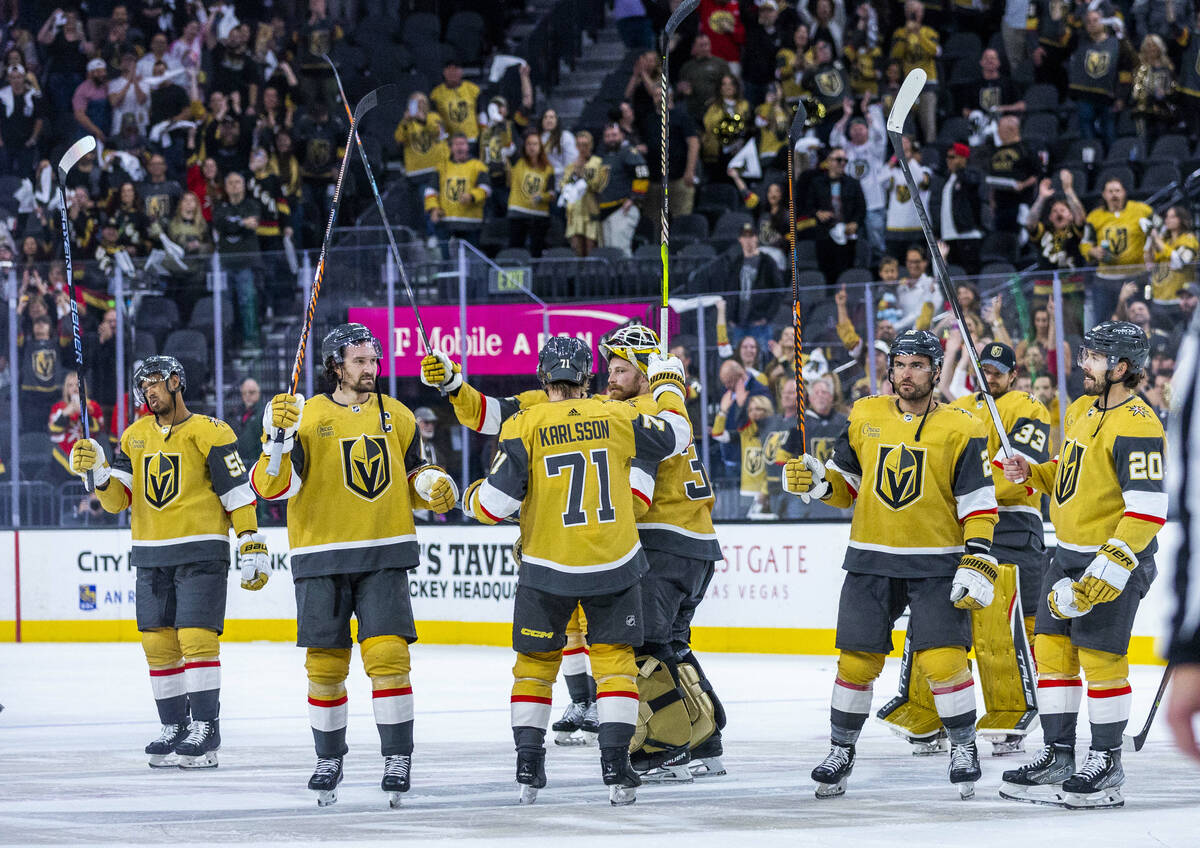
776 591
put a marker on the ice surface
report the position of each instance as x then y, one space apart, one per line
76 719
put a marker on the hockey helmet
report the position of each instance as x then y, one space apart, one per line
917 343
1117 340
157 364
633 343
565 360
337 339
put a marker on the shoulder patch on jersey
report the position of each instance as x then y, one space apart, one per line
1137 410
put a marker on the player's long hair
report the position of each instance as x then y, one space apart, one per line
565 388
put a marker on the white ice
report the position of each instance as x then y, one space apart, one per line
76 719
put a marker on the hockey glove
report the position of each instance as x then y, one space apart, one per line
805 476
254 561
436 488
974 581
283 415
438 372
87 455
665 374
469 501
1105 578
1066 600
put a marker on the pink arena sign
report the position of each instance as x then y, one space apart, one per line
502 338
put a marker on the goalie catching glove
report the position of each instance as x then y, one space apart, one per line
283 415
438 372
665 374
436 488
87 455
974 582
254 560
1105 578
805 476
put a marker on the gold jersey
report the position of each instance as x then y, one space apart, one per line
1027 423
567 466
181 484
1124 233
424 143
680 516
347 484
1174 269
457 108
462 189
1107 481
916 500
530 189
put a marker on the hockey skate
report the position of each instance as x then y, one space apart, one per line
199 748
1011 743
964 768
531 773
669 766
706 758
325 780
569 730
831 773
620 778
1040 782
590 729
396 769
1098 784
162 750
928 746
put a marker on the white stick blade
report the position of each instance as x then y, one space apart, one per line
910 90
74 153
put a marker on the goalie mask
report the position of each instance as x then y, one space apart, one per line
633 343
152 366
565 360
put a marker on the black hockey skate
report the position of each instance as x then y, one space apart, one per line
964 768
667 766
1098 784
620 778
162 750
199 748
531 773
831 773
325 780
570 729
1040 781
396 770
706 758
1010 743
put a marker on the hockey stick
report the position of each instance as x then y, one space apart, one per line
906 98
1135 743
69 160
794 133
369 102
684 9
387 227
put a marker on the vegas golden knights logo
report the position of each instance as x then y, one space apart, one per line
822 449
456 189
829 83
1070 461
43 364
161 476
1119 240
899 475
460 110
754 461
996 350
421 140
1096 63
902 193
366 469
989 98
532 184
772 445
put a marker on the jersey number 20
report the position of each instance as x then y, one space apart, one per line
576 466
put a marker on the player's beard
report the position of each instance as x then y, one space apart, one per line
912 392
1092 386
616 392
365 384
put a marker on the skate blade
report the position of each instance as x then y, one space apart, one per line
622 796
164 761
589 738
668 774
204 761
929 749
831 790
1050 796
568 739
1102 800
528 795
1001 749
966 791
394 799
707 767
326 797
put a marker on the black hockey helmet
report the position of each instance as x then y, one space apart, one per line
1117 340
157 364
565 360
337 339
917 343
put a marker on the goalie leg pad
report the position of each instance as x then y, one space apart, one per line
664 722
953 687
616 673
912 714
201 671
327 708
1059 688
1005 664
1109 696
699 704
165 659
388 663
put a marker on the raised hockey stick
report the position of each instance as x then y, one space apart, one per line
69 160
794 133
1135 743
682 11
387 227
386 93
906 98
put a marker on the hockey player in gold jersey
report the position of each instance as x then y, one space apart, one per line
919 476
1107 503
182 479
352 473
566 465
